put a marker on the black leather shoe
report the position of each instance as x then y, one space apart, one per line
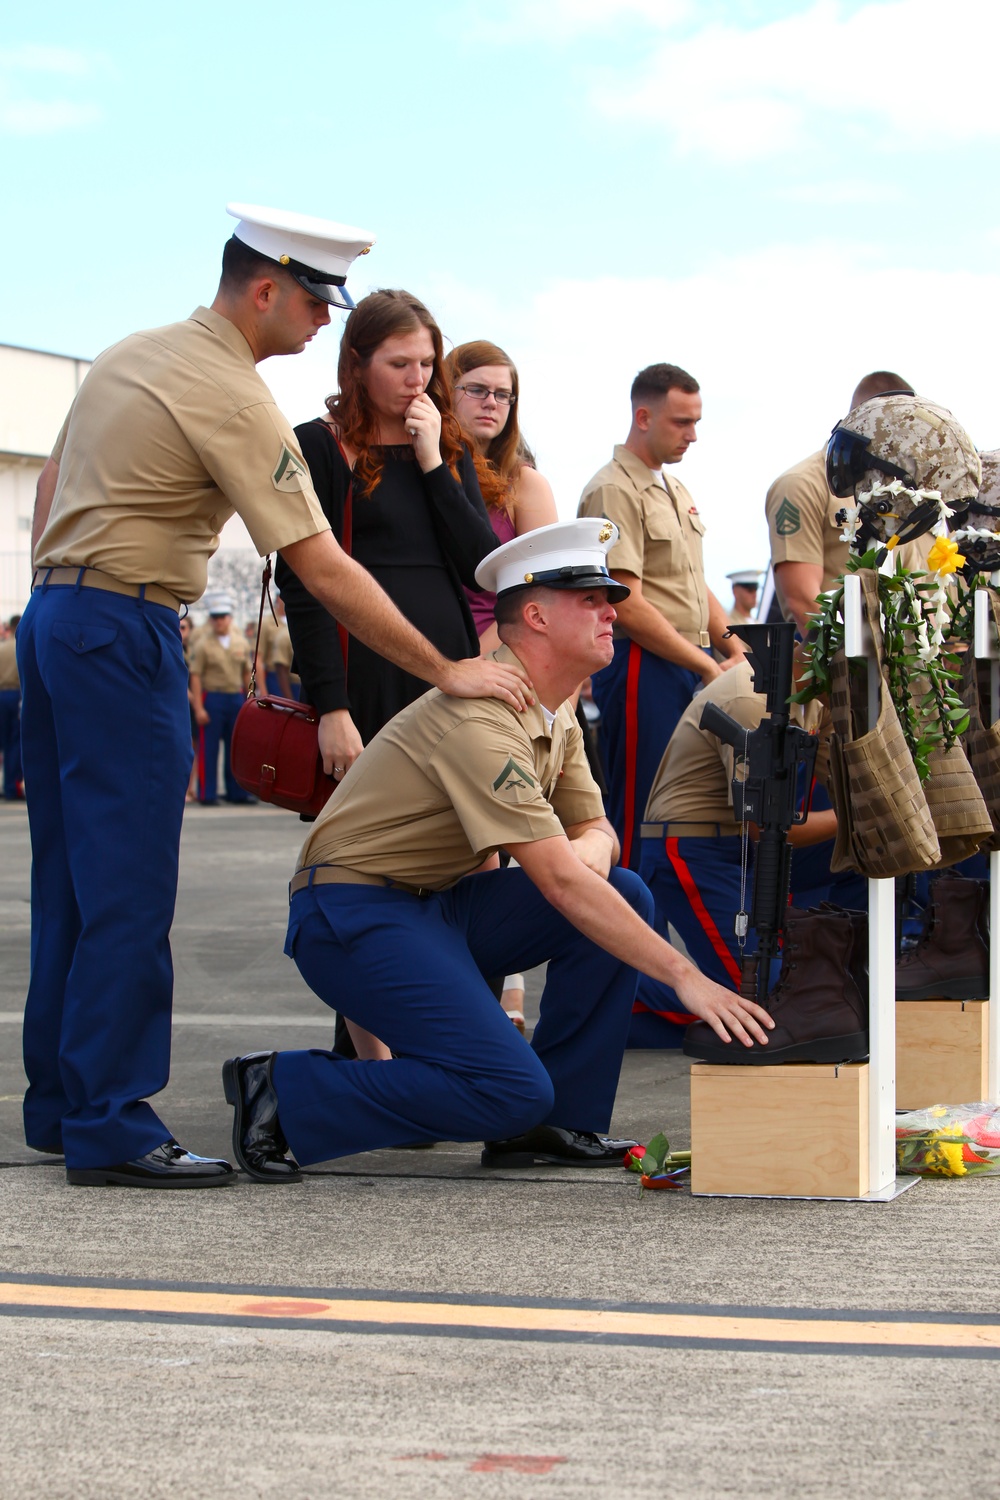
258 1142
169 1166
549 1145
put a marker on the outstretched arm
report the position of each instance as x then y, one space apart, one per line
350 593
597 910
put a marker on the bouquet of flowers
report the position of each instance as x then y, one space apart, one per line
949 1140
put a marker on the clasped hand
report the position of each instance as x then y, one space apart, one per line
423 423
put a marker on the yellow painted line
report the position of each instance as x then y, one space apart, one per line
596 1321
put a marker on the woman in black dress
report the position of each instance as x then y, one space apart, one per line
399 487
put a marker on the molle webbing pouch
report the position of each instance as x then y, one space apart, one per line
888 828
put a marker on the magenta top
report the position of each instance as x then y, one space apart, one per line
480 602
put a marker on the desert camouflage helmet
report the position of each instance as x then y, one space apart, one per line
987 502
920 440
978 524
906 439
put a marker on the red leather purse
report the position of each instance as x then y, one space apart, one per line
274 750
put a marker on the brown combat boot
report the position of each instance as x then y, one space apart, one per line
951 960
818 1010
859 944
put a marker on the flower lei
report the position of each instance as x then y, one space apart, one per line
916 610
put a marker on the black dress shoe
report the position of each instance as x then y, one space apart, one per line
550 1145
169 1166
258 1142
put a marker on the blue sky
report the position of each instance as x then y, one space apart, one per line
779 196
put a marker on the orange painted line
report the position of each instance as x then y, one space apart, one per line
593 1321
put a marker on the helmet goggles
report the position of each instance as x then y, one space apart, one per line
848 461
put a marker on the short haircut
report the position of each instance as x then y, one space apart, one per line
510 607
241 265
878 383
657 380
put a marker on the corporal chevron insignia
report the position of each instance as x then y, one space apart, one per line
788 519
289 474
514 783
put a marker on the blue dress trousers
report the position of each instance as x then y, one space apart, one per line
410 969
107 749
641 697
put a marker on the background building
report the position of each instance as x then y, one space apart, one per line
36 390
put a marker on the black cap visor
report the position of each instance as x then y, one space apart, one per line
578 577
321 286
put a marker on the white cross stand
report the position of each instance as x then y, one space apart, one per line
987 648
884 1184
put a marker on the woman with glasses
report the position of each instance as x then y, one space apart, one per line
398 484
518 498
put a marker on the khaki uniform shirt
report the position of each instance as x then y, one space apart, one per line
172 431
801 520
280 649
8 665
449 781
694 781
660 539
221 667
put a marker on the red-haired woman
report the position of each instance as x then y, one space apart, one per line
398 485
518 498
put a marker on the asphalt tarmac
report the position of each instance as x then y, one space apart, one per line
408 1324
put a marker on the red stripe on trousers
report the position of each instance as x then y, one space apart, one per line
201 760
700 910
679 1017
631 749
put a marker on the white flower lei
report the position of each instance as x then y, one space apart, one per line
892 491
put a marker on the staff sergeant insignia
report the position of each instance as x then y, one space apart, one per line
290 471
513 779
788 519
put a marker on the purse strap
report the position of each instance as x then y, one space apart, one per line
265 593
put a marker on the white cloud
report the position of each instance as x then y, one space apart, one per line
899 67
777 339
24 73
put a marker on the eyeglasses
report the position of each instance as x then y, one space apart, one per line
848 460
480 393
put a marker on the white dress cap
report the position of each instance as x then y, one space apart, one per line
749 577
317 252
564 555
221 605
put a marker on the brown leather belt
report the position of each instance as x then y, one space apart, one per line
93 578
690 830
340 875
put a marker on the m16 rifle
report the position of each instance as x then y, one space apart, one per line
765 790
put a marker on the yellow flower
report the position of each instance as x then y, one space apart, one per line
943 1157
944 557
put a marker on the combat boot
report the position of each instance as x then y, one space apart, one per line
951 960
859 944
819 1013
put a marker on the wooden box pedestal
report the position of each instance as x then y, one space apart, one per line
941 1052
798 1130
